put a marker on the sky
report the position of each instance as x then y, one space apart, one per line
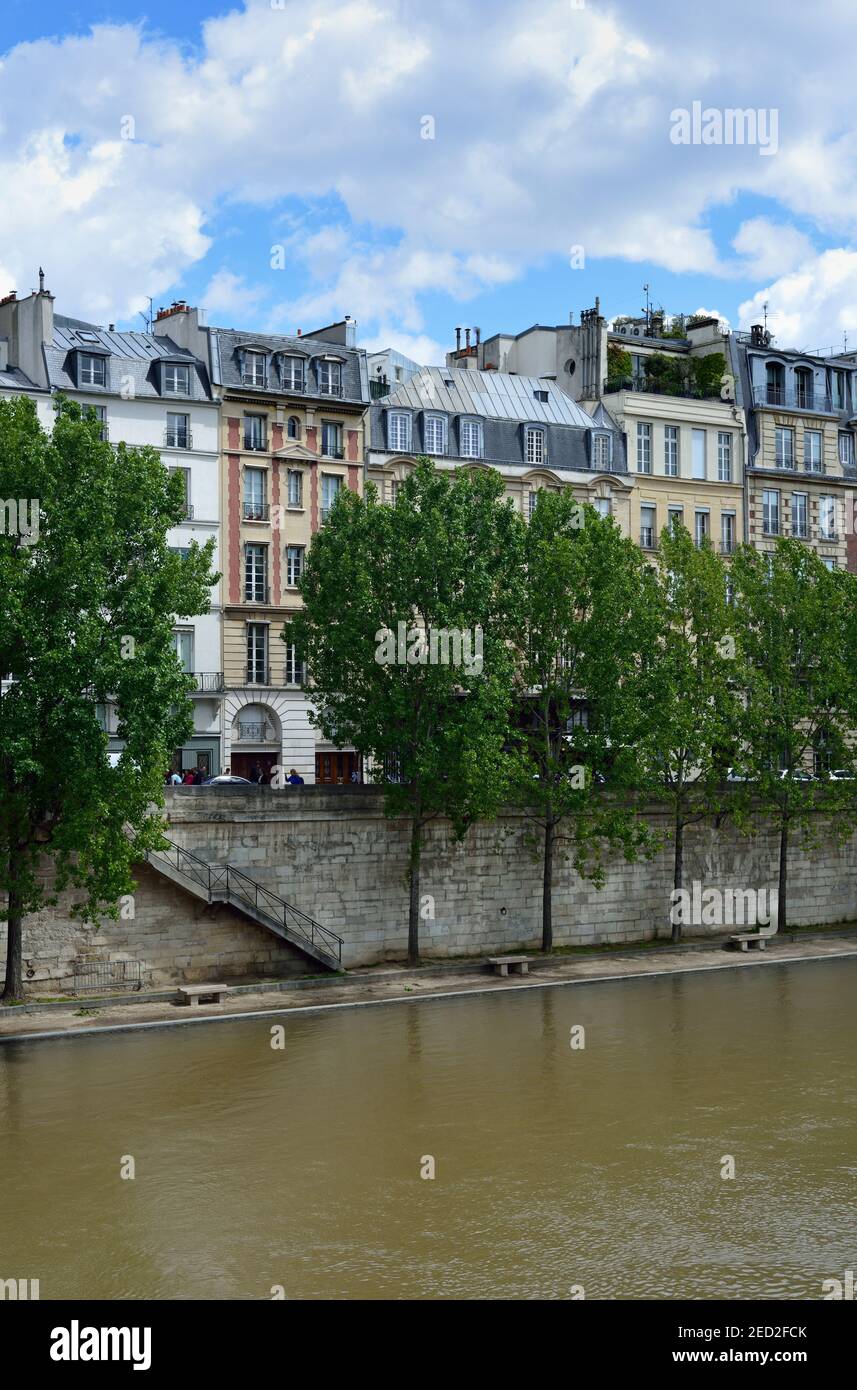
420 166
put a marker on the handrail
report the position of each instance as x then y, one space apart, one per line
236 884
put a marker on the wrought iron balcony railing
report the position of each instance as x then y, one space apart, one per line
256 511
208 682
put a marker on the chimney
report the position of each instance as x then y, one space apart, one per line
299 332
458 340
478 332
350 331
467 339
9 298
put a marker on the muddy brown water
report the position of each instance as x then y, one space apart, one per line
555 1167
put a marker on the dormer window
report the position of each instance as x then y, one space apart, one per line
470 436
535 445
434 434
541 395
330 378
176 380
255 371
601 451
399 431
292 373
93 370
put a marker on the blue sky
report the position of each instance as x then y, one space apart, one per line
267 161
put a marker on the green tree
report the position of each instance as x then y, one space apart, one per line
796 624
619 364
665 374
445 559
584 620
88 598
687 694
706 373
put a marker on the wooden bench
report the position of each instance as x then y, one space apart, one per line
519 965
206 994
745 939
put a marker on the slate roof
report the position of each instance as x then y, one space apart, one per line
226 364
131 355
496 395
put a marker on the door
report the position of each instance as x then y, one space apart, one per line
242 764
335 769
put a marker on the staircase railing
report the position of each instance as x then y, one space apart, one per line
225 878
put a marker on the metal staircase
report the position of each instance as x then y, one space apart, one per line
222 883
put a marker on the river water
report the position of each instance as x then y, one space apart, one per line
556 1168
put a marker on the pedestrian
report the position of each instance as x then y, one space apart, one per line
174 778
256 773
198 776
188 778
294 779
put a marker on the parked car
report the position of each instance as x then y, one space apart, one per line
215 781
797 774
841 774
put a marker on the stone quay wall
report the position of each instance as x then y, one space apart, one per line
332 853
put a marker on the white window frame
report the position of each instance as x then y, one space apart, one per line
331 483
601 451
848 460
329 378
801 498
256 645
334 428
471 439
93 369
648 532
771 512
784 457
292 373
294 564
176 379
826 517
698 455
727 532
644 447
434 434
294 672
255 572
671 447
813 458
399 431
255 369
295 489
534 445
724 456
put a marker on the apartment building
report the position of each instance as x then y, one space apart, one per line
526 428
684 432
145 390
292 436
801 414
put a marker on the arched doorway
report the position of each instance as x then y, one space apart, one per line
256 741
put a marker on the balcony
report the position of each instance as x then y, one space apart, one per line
258 675
177 439
780 397
255 443
256 511
188 511
254 379
379 388
257 593
653 388
326 389
337 453
208 682
256 733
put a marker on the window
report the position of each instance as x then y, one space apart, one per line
254 432
399 430
724 456
827 518
846 449
331 439
329 378
697 442
601 451
675 517
185 472
181 550
293 374
771 512
700 527
183 647
812 446
540 395
176 380
838 384
434 433
257 653
93 370
255 371
256 573
395 489
828 561
803 388
295 670
774 383
535 446
671 451
471 439
296 488
784 447
178 431
255 493
330 489
98 412
602 506
294 427
727 532
647 527
800 515
532 499
644 447
294 564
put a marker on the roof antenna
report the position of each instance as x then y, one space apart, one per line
147 318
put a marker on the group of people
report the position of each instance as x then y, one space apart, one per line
193 777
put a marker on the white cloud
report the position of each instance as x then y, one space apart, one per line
551 129
813 306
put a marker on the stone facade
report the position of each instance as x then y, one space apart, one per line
333 854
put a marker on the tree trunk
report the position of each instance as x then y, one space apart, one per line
678 873
782 886
414 883
14 986
547 889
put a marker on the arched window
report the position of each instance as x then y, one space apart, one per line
774 383
294 427
803 388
